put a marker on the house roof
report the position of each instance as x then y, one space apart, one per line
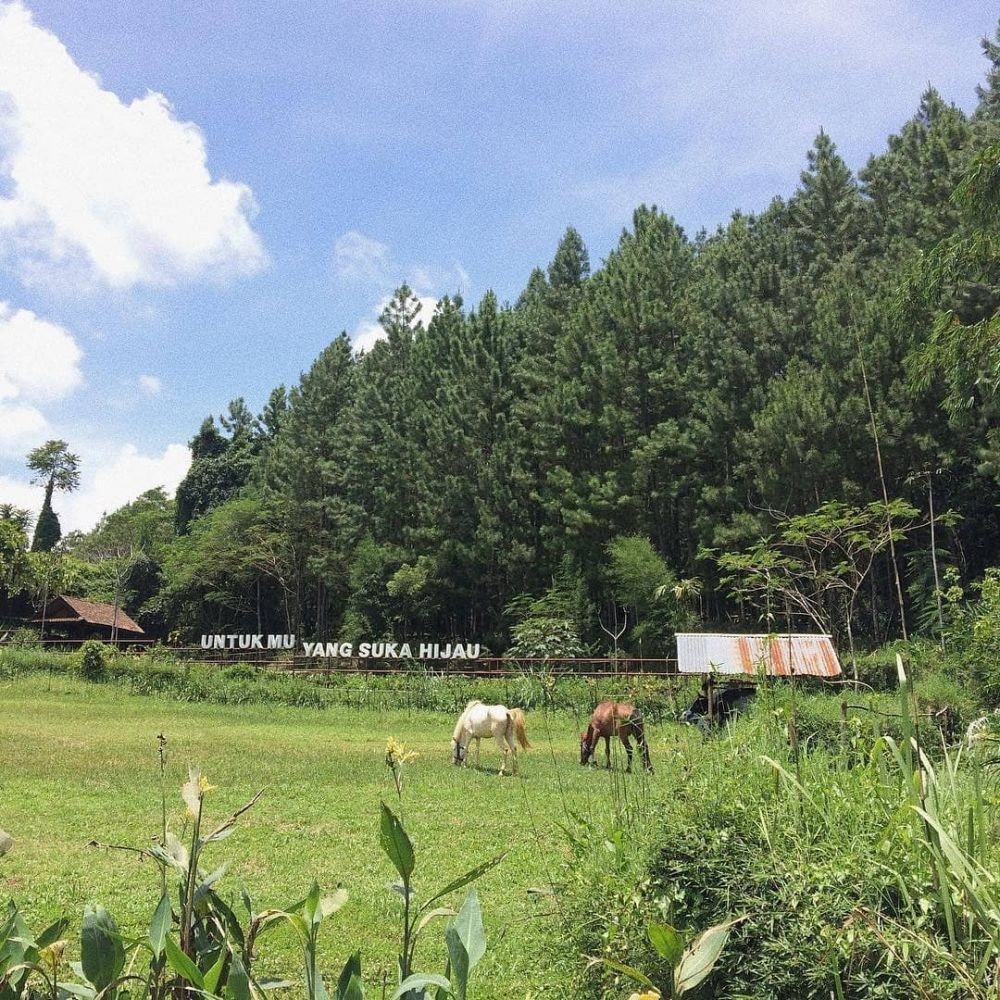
780 655
91 612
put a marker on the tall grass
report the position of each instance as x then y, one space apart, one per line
865 862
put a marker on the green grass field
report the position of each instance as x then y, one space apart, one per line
78 762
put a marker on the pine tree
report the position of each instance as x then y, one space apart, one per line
987 115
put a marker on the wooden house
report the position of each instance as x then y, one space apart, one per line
77 619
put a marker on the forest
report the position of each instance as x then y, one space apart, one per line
790 421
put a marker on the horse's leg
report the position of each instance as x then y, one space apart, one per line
479 741
509 736
627 743
607 752
500 738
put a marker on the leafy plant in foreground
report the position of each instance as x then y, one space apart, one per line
690 964
465 938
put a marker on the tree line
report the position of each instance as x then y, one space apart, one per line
687 432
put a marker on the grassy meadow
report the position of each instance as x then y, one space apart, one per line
78 762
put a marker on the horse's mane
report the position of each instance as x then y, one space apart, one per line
465 711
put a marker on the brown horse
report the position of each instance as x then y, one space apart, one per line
615 718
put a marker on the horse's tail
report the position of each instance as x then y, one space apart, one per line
461 719
516 716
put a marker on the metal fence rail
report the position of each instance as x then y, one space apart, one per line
302 665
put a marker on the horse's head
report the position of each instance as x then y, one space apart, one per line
587 744
457 752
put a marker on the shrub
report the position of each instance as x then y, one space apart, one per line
94 657
982 657
25 638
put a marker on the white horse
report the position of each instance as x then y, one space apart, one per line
479 720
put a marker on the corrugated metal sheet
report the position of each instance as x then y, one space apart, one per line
783 656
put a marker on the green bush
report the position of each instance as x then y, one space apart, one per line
821 854
25 638
982 657
94 658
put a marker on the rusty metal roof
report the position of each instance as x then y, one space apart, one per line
780 655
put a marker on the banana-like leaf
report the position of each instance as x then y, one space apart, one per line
160 925
626 970
396 843
237 982
440 911
183 965
700 956
420 981
102 953
78 990
463 880
667 943
468 926
349 981
215 972
52 933
458 963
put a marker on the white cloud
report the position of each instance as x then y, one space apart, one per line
100 190
39 360
365 260
39 363
357 257
369 330
110 477
151 384
18 426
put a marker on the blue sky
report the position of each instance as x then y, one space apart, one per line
195 198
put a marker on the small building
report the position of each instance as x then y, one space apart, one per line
778 655
75 618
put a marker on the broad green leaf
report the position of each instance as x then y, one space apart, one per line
396 843
354 990
458 963
231 920
52 933
352 968
310 909
463 880
213 974
440 911
626 970
237 982
700 956
468 925
669 945
78 990
421 981
160 925
102 954
183 965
